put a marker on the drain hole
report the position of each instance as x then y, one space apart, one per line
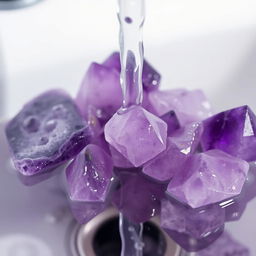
107 241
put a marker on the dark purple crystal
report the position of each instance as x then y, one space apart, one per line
46 132
137 197
233 131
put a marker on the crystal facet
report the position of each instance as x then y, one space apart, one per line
137 134
189 106
137 197
172 122
46 132
163 167
89 178
233 131
185 224
208 178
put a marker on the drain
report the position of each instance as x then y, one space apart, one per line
16 4
100 237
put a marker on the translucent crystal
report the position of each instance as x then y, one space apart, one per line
208 178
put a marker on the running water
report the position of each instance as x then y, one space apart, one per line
131 17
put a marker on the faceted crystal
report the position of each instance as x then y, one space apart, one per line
193 229
101 89
172 122
150 77
46 132
89 175
187 138
163 167
233 131
137 134
208 178
189 106
137 197
225 246
119 160
89 179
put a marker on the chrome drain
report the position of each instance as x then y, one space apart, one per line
16 4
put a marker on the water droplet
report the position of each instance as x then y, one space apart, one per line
128 20
31 124
50 125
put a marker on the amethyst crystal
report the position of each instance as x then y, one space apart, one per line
208 178
193 229
233 131
172 122
225 246
101 89
89 178
137 197
189 106
46 132
163 167
137 134
187 138
150 77
119 160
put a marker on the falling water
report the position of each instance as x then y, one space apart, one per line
131 17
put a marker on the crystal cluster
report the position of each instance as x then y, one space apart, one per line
169 157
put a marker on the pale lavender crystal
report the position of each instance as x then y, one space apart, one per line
137 197
172 122
189 106
187 138
225 246
89 179
209 177
137 134
101 89
150 77
46 132
119 160
193 229
89 175
233 131
164 166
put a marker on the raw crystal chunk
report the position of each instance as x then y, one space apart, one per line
150 77
101 89
225 246
89 178
137 134
119 160
189 106
172 122
163 167
187 138
208 178
233 131
193 229
46 132
137 197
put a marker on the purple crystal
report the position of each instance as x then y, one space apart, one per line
89 178
119 160
89 175
172 122
137 134
150 77
101 89
137 197
233 131
46 132
163 167
189 106
187 138
193 229
208 178
225 246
